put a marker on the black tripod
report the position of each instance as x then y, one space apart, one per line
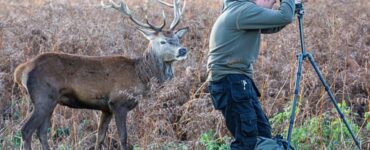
302 56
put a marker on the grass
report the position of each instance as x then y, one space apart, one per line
325 131
317 132
337 32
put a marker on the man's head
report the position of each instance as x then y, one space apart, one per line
265 3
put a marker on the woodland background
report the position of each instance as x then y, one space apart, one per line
337 32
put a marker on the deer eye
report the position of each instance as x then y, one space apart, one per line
163 42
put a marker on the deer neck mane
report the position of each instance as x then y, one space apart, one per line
150 66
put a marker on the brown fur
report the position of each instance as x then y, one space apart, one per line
78 82
80 78
110 84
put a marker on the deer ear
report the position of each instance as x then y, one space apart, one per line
181 32
149 34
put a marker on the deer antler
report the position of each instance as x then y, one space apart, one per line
177 11
123 8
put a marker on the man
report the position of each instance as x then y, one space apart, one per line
234 47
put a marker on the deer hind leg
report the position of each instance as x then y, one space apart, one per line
43 97
29 127
103 126
42 135
42 132
39 120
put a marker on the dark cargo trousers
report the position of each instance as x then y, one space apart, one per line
236 96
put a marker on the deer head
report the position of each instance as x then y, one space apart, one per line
164 44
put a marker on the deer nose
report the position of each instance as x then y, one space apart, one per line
182 51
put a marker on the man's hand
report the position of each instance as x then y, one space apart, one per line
300 1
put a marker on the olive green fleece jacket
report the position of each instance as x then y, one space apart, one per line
235 37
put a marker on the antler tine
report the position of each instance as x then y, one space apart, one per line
158 29
164 20
123 8
177 12
165 3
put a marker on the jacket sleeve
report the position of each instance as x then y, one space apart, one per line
272 30
252 16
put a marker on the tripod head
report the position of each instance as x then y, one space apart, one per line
299 9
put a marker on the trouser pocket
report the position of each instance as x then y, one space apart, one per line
219 95
248 124
242 88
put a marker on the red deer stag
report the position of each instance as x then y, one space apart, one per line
110 84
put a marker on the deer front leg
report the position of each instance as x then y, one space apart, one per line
121 103
120 115
103 126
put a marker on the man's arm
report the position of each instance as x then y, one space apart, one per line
255 17
272 30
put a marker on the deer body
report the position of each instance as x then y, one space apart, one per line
111 84
82 81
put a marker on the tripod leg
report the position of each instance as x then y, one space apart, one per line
331 95
296 94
